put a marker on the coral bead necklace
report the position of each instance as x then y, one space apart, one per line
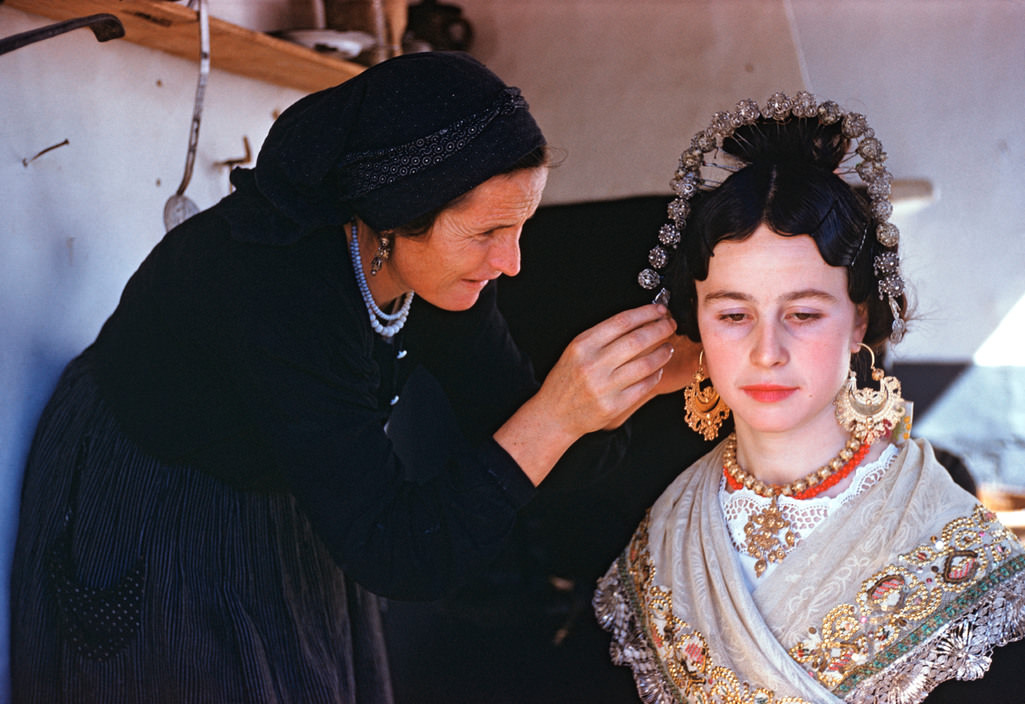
808 486
769 533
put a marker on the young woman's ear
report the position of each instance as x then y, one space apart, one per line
860 327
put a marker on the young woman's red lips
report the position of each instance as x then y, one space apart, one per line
768 393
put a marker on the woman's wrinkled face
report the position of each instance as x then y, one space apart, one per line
474 241
778 329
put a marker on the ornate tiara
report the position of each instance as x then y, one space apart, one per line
872 171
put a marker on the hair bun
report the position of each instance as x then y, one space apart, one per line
797 140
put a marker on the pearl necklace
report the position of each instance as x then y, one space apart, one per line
809 486
397 319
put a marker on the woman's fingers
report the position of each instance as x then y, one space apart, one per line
620 326
672 375
610 369
629 346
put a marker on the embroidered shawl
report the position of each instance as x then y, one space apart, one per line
912 584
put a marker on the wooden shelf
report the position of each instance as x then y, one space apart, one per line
173 28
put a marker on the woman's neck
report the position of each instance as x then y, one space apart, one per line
781 458
382 287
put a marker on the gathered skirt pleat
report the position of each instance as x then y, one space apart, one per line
138 581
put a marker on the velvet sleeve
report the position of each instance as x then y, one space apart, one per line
487 378
408 500
255 363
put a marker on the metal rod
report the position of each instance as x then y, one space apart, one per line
104 25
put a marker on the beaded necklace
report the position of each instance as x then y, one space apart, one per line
770 534
808 486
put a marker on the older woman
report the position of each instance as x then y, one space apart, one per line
269 430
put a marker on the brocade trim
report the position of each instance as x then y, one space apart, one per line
670 659
933 615
914 610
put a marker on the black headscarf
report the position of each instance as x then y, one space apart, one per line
398 141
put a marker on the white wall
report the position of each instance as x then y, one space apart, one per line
620 85
623 86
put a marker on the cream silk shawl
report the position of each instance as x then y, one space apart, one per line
911 584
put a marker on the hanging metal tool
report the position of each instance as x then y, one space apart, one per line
104 25
179 207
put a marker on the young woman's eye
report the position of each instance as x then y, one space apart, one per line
805 316
732 317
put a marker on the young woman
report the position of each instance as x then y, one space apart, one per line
817 554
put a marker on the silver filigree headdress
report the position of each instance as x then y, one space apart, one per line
688 180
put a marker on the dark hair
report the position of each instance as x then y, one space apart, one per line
536 158
788 184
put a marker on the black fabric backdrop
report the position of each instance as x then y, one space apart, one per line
524 631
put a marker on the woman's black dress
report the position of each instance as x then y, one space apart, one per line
220 483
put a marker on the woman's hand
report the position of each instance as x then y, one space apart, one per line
677 373
604 374
610 369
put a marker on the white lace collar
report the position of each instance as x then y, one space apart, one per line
802 514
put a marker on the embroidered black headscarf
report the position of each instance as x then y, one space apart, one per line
399 140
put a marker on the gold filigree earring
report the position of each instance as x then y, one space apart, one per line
704 409
866 413
381 255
